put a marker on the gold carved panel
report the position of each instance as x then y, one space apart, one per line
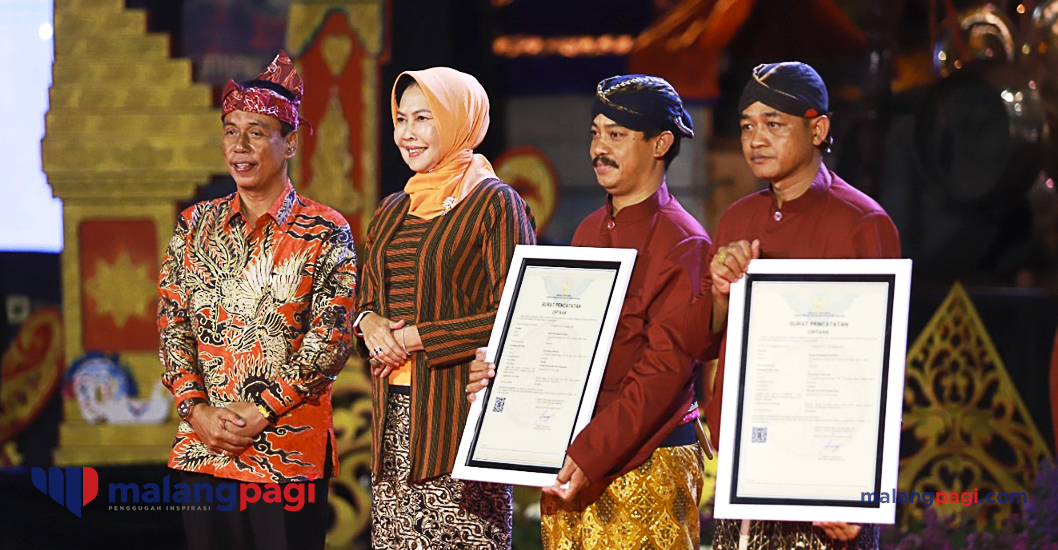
965 426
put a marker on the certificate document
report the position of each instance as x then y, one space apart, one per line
550 345
813 390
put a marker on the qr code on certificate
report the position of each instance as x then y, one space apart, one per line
760 435
497 404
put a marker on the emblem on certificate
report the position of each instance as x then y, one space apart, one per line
813 391
550 343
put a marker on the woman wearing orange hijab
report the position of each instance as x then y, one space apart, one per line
435 261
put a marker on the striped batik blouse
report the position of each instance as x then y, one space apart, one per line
462 263
401 273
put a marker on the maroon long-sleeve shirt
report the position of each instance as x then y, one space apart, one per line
831 220
649 380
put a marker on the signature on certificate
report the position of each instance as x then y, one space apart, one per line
830 447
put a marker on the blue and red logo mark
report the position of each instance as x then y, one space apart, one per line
78 486
74 488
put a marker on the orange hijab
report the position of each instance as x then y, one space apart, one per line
460 110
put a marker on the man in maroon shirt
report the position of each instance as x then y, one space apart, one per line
807 211
633 476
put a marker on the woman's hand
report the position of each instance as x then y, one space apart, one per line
381 338
409 339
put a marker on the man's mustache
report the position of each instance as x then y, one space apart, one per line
603 159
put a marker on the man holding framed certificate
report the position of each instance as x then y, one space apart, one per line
807 212
633 476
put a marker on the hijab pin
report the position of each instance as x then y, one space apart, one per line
449 203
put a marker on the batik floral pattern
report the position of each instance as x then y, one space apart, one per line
259 315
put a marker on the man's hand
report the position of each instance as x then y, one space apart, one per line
569 482
838 530
480 373
254 421
730 264
727 266
215 427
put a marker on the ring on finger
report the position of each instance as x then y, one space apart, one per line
721 256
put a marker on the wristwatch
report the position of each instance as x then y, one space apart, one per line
184 408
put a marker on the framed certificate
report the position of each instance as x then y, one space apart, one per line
550 343
813 391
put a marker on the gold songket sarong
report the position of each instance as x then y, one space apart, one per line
654 506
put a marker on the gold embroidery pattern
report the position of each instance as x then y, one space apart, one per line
653 506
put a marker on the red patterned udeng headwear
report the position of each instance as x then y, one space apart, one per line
263 100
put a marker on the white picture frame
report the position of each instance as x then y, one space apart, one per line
813 391
552 336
